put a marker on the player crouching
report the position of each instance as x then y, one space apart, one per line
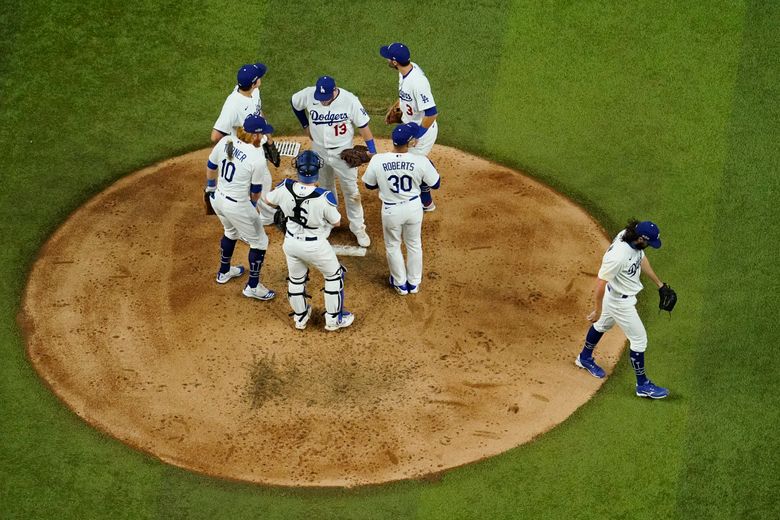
310 214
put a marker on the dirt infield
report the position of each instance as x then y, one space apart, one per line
124 321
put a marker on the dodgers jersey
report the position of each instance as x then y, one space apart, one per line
332 126
316 215
621 267
235 110
399 175
414 95
247 167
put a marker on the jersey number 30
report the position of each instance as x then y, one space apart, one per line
228 170
404 183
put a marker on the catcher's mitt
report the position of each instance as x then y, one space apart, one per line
668 298
355 156
272 153
280 221
207 197
393 116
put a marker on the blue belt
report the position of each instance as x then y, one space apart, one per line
231 199
404 202
307 239
610 289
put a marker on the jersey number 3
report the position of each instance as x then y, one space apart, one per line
228 170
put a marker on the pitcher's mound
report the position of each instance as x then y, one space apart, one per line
125 322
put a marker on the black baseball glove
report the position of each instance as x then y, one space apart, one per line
272 153
280 221
355 156
668 298
207 198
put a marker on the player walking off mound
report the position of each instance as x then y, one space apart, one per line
415 105
398 175
615 296
243 175
329 113
310 214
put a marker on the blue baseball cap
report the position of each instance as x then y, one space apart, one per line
324 88
651 232
395 51
402 134
248 74
255 124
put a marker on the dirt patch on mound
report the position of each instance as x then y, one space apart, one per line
124 321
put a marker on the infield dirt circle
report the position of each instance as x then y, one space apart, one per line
124 321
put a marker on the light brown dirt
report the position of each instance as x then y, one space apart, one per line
124 321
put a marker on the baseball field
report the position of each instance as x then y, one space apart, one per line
657 110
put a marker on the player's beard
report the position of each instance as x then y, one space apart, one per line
390 64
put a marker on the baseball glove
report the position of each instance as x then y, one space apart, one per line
355 156
393 116
280 221
668 298
207 197
272 153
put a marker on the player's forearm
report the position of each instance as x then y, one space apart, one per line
647 269
598 293
428 121
368 137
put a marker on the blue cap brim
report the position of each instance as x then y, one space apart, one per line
384 51
261 68
319 96
655 244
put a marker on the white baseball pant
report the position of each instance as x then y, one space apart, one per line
336 168
240 220
319 254
402 223
622 311
424 145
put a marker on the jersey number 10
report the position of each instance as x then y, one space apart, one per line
228 170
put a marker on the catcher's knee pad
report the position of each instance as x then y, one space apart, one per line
334 293
296 294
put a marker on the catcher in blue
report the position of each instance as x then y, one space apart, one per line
615 297
398 176
243 175
310 213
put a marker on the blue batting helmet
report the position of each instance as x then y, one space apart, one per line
308 165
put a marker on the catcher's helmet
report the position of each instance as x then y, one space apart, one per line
308 165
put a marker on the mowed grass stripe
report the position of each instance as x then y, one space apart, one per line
594 124
731 461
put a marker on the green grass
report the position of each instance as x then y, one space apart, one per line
659 110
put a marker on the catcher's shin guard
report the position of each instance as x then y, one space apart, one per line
334 295
296 295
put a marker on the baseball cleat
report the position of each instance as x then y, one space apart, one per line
430 207
591 366
652 391
412 289
300 323
363 239
345 320
261 292
235 271
400 289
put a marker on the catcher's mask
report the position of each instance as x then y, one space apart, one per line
308 165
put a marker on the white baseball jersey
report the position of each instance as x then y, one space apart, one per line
399 175
313 217
414 94
236 108
332 126
248 166
621 267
